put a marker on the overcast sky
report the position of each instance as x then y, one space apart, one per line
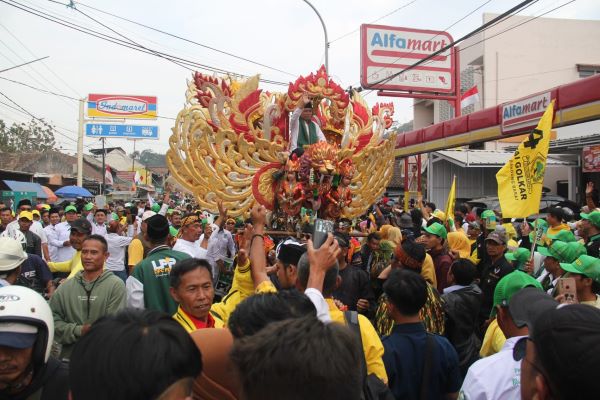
283 34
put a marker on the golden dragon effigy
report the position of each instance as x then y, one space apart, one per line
230 142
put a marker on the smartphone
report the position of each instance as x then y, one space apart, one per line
566 287
322 228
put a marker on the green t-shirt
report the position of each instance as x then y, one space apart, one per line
153 272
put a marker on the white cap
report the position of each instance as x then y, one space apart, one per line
147 214
11 254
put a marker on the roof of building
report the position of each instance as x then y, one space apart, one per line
491 158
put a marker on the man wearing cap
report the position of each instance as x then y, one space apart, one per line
586 272
90 295
519 258
498 376
116 250
355 290
99 223
148 286
487 222
558 252
436 236
34 243
87 212
35 227
492 269
303 130
561 357
590 230
139 246
26 337
189 238
80 229
64 249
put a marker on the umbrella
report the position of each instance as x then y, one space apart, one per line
73 191
51 196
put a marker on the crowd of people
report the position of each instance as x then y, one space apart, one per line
162 300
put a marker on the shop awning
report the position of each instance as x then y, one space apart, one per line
16 186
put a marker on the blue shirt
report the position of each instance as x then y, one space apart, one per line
404 358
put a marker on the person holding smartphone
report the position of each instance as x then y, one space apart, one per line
586 272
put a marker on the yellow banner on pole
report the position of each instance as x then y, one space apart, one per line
521 179
451 200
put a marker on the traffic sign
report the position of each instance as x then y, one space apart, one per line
121 131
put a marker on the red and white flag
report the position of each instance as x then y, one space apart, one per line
108 176
469 97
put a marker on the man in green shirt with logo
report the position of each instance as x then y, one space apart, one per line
148 285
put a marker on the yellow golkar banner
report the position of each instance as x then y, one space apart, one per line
521 179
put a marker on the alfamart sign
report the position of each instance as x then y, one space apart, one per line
121 106
524 113
387 50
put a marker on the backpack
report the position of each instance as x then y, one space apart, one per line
373 387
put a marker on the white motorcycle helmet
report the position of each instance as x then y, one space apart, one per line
12 253
22 305
17 235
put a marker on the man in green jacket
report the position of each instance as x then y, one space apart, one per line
92 293
149 284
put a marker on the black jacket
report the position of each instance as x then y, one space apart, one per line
462 310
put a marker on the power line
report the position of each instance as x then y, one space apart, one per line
375 20
123 43
23 64
182 38
39 89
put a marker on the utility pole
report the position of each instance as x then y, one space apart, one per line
80 143
133 157
324 31
103 167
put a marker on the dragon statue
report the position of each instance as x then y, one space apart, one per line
230 142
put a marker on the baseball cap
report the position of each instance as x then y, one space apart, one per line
584 265
527 304
70 209
35 212
11 254
158 227
439 214
563 252
520 255
88 206
511 284
173 231
290 252
155 207
17 335
564 236
147 214
567 343
437 229
497 237
81 225
26 214
593 217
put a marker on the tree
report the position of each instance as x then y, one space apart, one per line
33 137
152 159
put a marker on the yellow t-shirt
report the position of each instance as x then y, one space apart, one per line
135 252
428 270
242 287
372 346
493 340
73 265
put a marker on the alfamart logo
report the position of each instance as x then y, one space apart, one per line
392 41
9 297
122 105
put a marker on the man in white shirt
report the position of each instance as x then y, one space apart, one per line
220 246
188 241
499 376
99 223
88 212
63 231
50 231
116 248
303 130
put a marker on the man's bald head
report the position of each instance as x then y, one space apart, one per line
113 226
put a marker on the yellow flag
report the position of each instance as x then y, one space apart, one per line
451 200
521 179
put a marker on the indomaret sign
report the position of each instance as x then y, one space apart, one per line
387 50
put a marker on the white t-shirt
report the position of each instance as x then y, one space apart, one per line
116 248
495 377
192 249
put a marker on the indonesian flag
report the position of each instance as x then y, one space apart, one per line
108 176
469 97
